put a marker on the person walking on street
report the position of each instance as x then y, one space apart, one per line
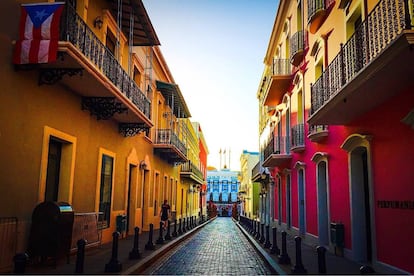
165 213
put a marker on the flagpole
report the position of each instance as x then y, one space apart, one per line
229 157
220 158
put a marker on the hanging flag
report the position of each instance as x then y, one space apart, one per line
38 33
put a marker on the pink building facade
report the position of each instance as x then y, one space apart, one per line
338 143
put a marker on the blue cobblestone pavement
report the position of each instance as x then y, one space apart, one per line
218 249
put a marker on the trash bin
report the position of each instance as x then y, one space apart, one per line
51 230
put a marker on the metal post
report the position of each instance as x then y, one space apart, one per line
114 265
174 233
150 245
267 242
262 236
80 256
321 259
167 235
179 227
184 230
298 268
160 238
134 254
284 257
274 249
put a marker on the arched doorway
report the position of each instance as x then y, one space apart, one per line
362 218
323 214
321 160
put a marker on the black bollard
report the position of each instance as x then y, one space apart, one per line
174 233
80 256
150 245
160 238
321 259
134 254
258 230
298 267
262 235
114 265
253 228
365 269
267 242
274 249
168 235
184 230
284 257
20 261
179 227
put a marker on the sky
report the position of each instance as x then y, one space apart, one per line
215 51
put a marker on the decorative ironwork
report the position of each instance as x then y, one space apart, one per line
102 107
52 75
298 136
167 136
77 32
132 129
381 28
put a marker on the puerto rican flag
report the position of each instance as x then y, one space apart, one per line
38 33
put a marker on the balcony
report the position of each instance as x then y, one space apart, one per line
191 171
299 44
317 132
87 67
279 80
277 152
256 175
298 138
169 147
318 11
373 65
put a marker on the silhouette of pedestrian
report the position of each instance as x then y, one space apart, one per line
165 213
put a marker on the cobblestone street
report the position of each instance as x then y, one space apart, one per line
218 248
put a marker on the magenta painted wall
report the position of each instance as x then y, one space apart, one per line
392 153
393 177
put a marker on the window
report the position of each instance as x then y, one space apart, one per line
234 187
111 42
105 195
215 186
225 188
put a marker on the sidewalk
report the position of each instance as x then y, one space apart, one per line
334 264
96 258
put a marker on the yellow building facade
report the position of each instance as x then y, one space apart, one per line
103 128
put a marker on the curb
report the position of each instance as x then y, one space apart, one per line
143 264
268 259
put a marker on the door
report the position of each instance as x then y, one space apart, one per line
361 208
53 170
301 197
323 214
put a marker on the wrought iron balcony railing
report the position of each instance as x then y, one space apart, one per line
77 32
189 167
373 36
281 67
276 145
298 42
317 132
317 10
298 136
168 137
